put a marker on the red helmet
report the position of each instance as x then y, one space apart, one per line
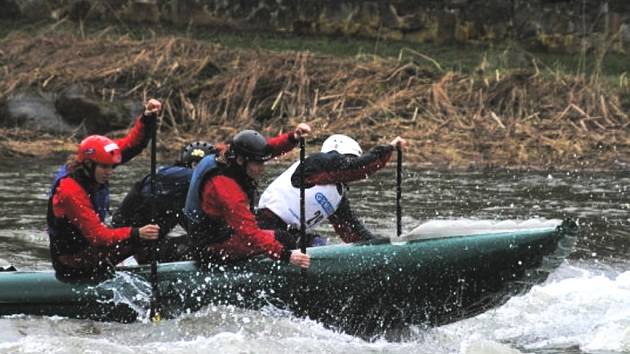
99 149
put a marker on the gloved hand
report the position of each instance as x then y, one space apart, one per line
151 110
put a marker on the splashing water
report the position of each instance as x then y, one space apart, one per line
128 289
582 308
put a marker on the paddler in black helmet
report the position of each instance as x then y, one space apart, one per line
219 205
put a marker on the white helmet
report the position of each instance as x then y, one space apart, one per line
343 144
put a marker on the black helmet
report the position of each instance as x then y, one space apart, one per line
194 152
251 145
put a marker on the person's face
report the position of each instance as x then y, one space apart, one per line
102 173
254 169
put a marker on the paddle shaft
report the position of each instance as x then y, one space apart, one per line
302 198
398 191
153 278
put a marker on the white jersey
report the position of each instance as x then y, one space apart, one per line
283 199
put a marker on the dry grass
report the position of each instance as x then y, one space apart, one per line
452 120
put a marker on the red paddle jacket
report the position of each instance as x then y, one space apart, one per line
77 207
228 196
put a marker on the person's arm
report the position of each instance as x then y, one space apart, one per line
71 201
281 144
223 198
333 168
138 137
286 142
347 225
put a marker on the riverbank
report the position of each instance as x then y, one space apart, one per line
513 110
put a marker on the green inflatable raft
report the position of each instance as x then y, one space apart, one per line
432 276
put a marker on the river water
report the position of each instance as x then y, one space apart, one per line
584 306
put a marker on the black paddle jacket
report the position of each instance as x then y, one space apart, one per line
139 208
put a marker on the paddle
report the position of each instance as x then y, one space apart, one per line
153 278
398 190
302 200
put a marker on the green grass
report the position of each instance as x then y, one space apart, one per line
465 58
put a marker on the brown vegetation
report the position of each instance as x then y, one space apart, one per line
518 119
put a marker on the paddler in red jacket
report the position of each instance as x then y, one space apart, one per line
82 246
219 204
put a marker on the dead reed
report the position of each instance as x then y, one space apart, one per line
516 119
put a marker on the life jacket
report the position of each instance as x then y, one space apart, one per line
202 229
65 238
139 208
280 197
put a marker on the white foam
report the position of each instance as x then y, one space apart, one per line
588 310
486 347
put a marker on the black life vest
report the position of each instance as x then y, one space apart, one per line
64 237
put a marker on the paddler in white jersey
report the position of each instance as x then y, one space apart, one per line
326 175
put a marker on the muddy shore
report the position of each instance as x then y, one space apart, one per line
528 118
